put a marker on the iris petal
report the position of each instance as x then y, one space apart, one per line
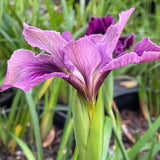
144 51
84 56
45 40
114 31
25 70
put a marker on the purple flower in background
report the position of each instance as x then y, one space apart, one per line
99 25
83 63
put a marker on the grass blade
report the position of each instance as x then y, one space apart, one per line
14 109
156 149
35 123
148 135
64 140
24 147
68 120
119 141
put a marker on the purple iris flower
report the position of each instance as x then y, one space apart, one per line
84 63
99 25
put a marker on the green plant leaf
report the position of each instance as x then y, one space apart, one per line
120 144
24 147
68 14
107 137
155 150
99 8
35 11
3 136
80 125
52 13
47 119
148 135
67 133
65 137
35 123
108 96
14 106
80 32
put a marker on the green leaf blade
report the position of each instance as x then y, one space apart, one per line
24 147
96 132
148 135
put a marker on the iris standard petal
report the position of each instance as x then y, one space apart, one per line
105 54
46 40
84 55
114 31
25 70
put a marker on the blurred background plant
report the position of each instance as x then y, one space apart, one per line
73 16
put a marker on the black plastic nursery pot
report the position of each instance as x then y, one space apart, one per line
6 97
59 117
126 97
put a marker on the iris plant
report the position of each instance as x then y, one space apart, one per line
84 63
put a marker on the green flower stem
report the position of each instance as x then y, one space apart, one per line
89 136
80 124
90 107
